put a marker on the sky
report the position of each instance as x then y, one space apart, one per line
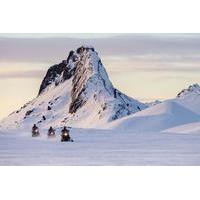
144 66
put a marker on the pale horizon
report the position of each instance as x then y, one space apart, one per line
146 67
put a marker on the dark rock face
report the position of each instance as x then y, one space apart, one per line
76 104
28 113
51 75
56 71
71 53
68 73
79 81
65 69
78 88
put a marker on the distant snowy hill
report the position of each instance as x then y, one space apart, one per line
184 109
77 92
190 98
156 118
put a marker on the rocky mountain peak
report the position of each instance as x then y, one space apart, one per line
64 70
90 79
91 83
76 92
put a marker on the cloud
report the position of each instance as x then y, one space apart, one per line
151 65
22 74
54 49
178 53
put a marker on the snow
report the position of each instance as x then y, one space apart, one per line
192 89
100 147
164 134
157 118
186 128
55 97
108 127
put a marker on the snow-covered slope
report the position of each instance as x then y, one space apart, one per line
182 110
193 127
189 98
43 110
77 92
156 118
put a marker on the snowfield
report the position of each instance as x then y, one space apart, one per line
100 147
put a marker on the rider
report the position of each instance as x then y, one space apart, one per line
65 134
51 131
35 129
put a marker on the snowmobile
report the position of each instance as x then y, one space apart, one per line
35 131
65 137
51 133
